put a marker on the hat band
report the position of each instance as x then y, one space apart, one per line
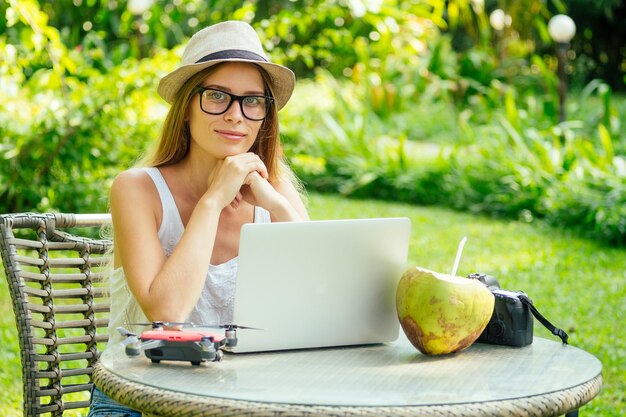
230 54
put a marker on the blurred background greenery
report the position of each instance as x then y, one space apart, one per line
415 101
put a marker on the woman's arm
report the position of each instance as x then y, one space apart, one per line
165 288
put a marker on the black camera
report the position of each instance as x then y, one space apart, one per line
511 323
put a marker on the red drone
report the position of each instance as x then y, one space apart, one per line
196 347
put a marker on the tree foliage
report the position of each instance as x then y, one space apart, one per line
78 103
600 45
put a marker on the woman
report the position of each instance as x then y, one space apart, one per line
217 166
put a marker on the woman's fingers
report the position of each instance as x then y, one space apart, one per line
235 203
258 191
252 162
232 173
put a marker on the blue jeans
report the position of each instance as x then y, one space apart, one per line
103 406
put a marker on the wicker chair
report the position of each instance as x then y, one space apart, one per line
60 302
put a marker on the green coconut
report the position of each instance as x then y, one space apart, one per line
441 313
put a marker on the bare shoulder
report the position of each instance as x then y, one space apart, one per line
134 177
287 186
132 183
134 191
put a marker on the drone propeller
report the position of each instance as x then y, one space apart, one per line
227 326
230 331
236 326
130 336
160 324
125 332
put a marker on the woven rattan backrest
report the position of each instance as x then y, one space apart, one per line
56 279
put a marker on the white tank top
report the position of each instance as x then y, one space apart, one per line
215 305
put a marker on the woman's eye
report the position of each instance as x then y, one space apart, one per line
215 95
254 101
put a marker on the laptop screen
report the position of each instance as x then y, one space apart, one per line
319 283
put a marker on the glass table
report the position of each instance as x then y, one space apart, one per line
545 378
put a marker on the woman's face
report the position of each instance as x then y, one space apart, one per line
230 133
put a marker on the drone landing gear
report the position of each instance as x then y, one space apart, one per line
218 357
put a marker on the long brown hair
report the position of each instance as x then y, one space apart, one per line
173 144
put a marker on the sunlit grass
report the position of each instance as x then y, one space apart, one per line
578 284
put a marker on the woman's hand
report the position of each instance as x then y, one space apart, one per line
280 199
259 192
245 177
231 174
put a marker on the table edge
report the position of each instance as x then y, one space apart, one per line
163 402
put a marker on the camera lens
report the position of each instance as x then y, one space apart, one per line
497 328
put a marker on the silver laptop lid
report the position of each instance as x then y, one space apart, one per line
319 283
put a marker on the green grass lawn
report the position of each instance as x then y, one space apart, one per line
578 284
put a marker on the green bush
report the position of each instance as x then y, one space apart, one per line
410 118
518 164
67 129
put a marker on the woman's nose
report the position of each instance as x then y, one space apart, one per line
234 113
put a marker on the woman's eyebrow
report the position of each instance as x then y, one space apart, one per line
228 90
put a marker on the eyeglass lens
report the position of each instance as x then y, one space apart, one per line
218 102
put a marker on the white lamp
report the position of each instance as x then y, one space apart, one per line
496 19
561 28
138 7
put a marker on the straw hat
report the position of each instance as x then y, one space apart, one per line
230 41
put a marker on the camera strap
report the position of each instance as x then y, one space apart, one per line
555 330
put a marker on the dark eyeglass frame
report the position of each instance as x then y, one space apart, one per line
240 99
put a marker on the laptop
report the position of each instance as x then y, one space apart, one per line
319 283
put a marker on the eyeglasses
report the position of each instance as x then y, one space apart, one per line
218 102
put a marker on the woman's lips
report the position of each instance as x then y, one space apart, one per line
231 134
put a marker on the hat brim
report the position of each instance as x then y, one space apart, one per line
283 79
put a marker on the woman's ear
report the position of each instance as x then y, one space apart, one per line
187 112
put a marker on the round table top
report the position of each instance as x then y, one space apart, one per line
364 378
